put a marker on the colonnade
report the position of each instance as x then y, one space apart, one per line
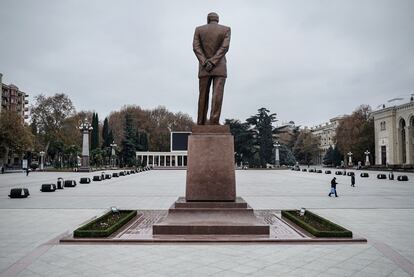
163 159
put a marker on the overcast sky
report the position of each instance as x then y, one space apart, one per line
307 61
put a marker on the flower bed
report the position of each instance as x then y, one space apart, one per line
105 225
316 225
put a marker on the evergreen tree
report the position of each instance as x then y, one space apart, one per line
95 132
286 156
243 140
336 156
262 123
110 137
105 134
137 141
128 143
328 158
143 141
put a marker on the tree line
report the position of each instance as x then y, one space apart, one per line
255 140
54 129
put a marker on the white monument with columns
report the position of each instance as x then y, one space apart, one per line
176 158
85 128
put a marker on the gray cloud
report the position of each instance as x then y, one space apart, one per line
306 60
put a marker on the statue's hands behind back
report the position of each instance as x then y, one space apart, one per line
209 66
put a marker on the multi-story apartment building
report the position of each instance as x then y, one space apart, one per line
12 99
325 133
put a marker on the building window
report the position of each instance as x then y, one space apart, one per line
382 125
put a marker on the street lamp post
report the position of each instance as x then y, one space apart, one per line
113 146
350 158
277 160
85 127
42 154
367 153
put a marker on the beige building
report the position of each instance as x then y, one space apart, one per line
325 133
286 133
394 132
12 99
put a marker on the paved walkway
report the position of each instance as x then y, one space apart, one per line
381 210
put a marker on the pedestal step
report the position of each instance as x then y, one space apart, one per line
211 218
238 203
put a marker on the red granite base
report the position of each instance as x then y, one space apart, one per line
210 164
210 218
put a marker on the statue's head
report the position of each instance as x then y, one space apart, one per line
212 17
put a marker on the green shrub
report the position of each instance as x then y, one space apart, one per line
90 230
316 225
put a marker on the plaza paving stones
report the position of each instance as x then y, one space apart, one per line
380 210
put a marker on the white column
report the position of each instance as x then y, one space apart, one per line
176 161
85 143
408 141
159 157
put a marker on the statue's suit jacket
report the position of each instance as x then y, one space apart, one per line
211 42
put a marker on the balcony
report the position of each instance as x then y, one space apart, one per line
26 102
26 116
26 109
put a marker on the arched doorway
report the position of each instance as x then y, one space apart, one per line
402 139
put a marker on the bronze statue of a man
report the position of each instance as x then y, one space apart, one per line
211 43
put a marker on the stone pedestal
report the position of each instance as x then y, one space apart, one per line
210 206
210 164
85 164
211 218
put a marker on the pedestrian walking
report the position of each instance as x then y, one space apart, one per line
391 176
352 180
27 171
333 187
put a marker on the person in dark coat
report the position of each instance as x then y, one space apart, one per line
333 187
352 180
27 171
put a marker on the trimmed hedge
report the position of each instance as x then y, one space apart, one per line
97 178
115 174
328 172
304 170
338 172
351 174
108 176
318 171
86 232
335 231
364 175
